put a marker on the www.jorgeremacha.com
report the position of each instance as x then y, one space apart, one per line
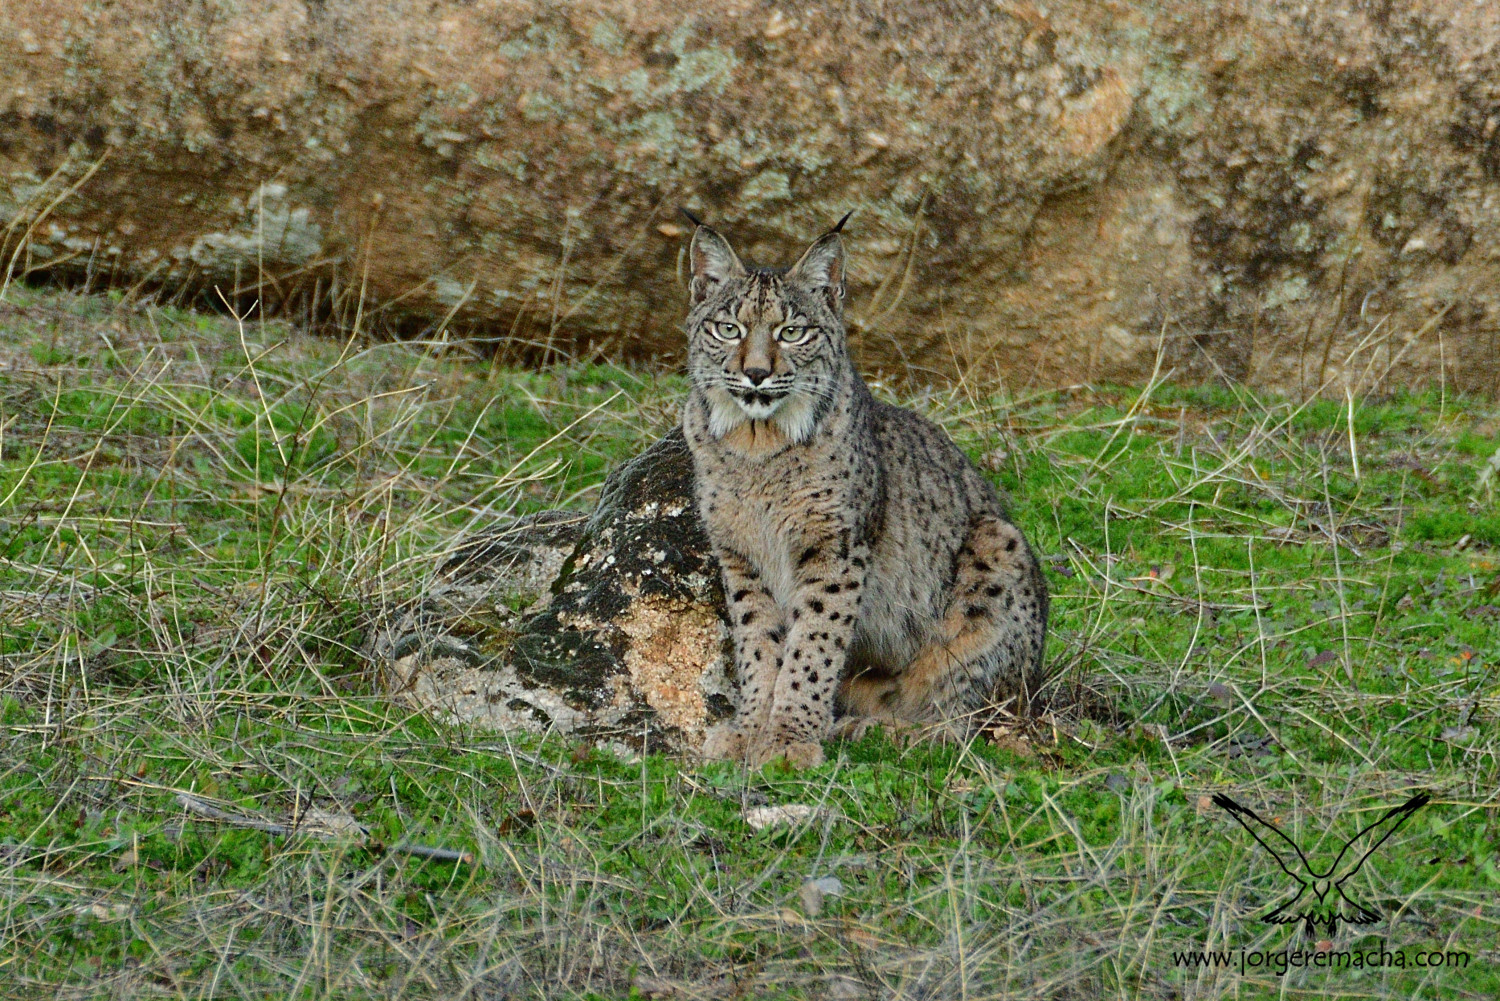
1249 960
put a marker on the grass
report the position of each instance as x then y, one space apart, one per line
201 519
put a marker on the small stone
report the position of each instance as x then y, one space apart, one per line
761 817
812 898
829 886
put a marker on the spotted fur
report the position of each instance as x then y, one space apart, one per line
871 571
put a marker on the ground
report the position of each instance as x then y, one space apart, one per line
1295 605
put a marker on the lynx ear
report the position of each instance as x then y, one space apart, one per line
714 262
822 266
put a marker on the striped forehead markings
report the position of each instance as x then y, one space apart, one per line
765 291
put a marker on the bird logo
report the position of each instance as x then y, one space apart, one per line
1321 898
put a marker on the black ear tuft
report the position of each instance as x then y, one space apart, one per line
838 227
713 262
699 222
822 267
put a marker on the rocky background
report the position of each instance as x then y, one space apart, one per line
1289 194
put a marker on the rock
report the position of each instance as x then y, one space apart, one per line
609 628
1279 192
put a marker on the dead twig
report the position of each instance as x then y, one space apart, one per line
322 827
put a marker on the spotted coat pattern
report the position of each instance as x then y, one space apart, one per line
871 571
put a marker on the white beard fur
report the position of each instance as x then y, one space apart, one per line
793 414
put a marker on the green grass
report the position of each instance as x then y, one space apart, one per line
200 522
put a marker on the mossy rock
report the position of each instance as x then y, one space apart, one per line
611 626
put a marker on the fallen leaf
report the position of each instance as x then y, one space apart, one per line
814 891
655 987
521 820
326 824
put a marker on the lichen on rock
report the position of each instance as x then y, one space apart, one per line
1044 190
609 627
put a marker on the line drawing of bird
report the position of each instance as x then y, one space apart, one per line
1320 897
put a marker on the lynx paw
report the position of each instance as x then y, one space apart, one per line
800 754
853 728
725 742
901 732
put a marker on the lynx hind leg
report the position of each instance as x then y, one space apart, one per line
989 645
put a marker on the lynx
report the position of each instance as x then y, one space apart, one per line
871 572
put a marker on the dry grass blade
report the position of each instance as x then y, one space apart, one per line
202 788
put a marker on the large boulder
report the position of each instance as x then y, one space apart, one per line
610 627
1287 193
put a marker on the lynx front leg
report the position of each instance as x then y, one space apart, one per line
825 602
757 630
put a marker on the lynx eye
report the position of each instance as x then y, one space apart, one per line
726 331
793 335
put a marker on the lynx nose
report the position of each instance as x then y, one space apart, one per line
757 375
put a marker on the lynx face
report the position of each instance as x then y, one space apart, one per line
766 344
